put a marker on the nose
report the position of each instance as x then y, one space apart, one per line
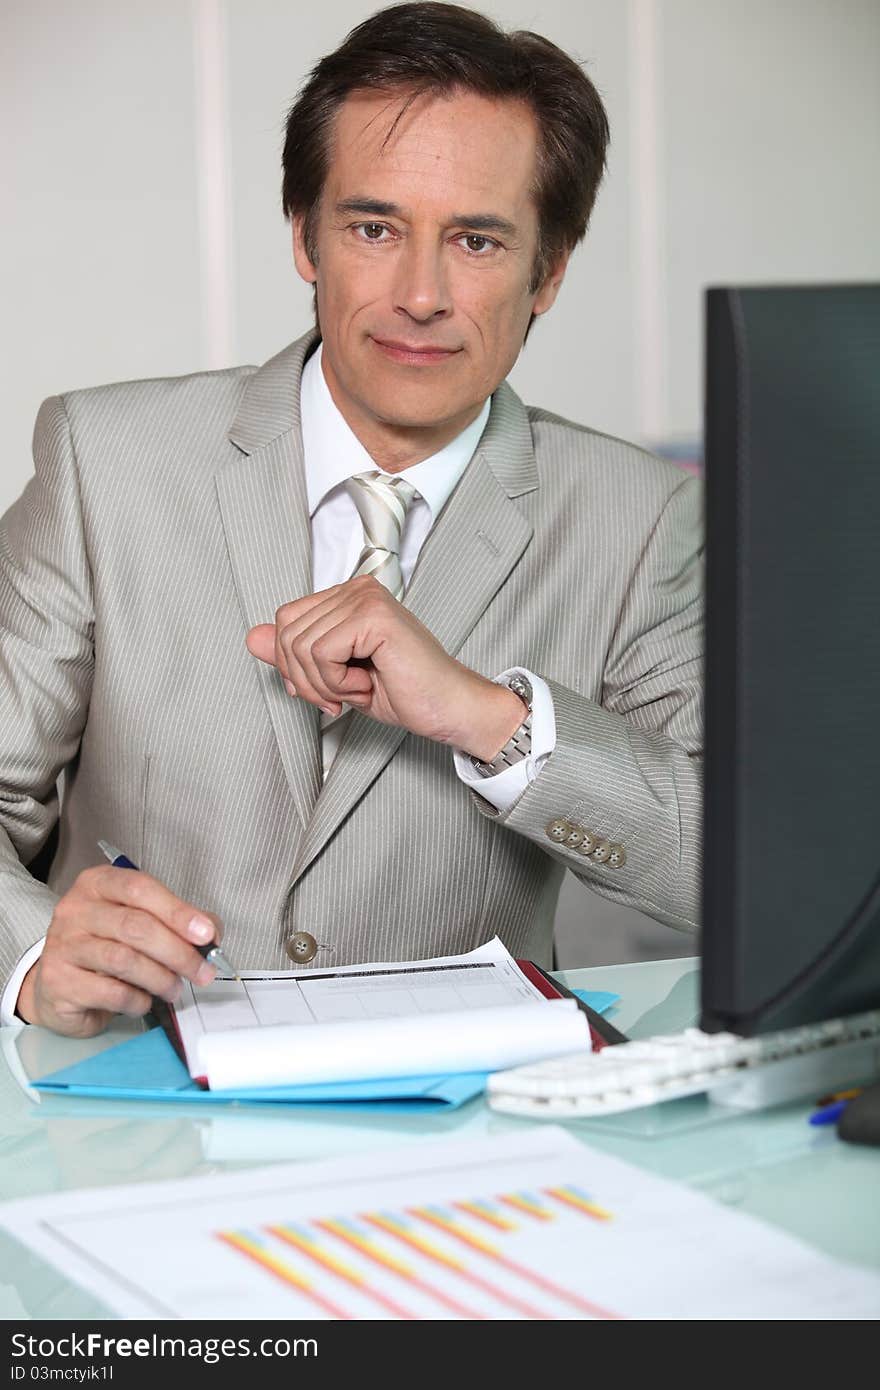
421 287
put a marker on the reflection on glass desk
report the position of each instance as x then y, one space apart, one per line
773 1165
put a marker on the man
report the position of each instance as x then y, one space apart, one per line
354 653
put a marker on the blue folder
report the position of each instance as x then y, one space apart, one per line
148 1068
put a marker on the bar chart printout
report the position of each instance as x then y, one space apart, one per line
529 1226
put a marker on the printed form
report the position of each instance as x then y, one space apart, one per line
454 1013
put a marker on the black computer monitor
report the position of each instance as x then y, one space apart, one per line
791 892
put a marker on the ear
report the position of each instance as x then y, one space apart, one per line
547 293
301 258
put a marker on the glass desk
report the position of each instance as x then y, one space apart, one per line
773 1164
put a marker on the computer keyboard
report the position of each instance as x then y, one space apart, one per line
789 1063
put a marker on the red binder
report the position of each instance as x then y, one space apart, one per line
602 1033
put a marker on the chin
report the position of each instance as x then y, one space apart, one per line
408 408
400 418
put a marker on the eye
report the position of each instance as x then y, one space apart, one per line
477 244
371 231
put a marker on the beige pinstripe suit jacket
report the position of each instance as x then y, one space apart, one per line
167 517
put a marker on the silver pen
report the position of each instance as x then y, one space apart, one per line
211 950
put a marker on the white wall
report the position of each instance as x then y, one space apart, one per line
772 157
143 234
99 254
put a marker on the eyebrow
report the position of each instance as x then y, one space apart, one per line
479 221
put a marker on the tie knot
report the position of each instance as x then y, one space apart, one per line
382 504
372 491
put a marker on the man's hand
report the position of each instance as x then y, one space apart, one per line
117 938
355 644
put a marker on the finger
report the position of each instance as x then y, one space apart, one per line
85 991
260 642
352 677
298 644
338 654
281 662
134 946
300 685
130 946
109 957
294 622
133 888
339 599
290 612
297 619
287 615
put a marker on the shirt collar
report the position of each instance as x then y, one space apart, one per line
333 452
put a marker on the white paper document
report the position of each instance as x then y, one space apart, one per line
476 1012
517 1226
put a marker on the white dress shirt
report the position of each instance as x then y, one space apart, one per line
333 453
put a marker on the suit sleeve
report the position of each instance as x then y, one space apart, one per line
629 769
46 665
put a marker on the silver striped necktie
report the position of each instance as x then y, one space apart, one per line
382 503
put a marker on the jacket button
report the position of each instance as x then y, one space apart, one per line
617 857
602 852
558 830
588 843
574 838
301 947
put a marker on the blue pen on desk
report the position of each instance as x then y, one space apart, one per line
829 1113
211 952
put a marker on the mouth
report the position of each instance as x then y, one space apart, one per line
414 355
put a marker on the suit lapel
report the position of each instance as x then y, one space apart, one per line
265 515
478 538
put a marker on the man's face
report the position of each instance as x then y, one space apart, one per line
424 252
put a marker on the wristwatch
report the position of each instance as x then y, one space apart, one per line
519 745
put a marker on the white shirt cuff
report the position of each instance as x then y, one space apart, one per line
508 786
9 999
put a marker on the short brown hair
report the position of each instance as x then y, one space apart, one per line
430 47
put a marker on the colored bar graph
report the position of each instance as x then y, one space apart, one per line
401 1230
528 1203
357 1239
579 1200
254 1249
488 1212
453 1227
304 1242
481 1226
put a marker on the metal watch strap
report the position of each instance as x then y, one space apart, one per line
519 745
